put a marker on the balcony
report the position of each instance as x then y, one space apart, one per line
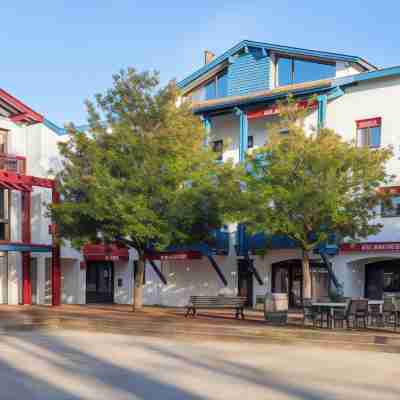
11 163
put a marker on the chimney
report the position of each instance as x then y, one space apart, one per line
208 56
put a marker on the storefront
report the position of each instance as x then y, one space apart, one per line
287 277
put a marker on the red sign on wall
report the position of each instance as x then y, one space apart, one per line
371 247
369 123
101 252
274 109
178 255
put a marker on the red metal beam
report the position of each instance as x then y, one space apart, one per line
56 260
26 278
30 115
19 179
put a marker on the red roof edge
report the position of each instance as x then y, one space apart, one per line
24 113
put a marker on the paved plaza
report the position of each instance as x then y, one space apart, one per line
73 365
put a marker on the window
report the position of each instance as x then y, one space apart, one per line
217 87
369 132
4 212
218 147
292 70
250 142
391 281
393 210
3 140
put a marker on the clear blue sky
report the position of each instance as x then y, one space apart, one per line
56 53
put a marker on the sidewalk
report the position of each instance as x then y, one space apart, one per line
171 322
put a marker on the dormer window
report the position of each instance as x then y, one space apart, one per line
217 86
291 70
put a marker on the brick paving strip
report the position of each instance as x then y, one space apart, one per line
209 325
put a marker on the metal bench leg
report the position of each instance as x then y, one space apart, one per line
242 312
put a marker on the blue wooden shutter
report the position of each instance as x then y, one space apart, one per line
375 136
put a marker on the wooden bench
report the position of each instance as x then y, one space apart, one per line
216 302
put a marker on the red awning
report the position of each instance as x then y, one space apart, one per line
102 252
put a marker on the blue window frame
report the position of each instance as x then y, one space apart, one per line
217 87
393 210
222 84
369 132
292 70
211 90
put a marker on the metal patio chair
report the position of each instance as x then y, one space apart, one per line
353 314
312 313
397 311
389 311
375 315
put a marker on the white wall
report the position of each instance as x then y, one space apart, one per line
346 69
367 100
187 278
70 281
123 271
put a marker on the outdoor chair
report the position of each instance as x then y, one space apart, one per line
353 314
312 313
375 315
389 311
342 315
397 311
362 313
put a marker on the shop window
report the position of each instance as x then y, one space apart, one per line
218 147
393 209
369 132
293 70
391 281
250 142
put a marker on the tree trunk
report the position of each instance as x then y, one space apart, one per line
306 276
138 283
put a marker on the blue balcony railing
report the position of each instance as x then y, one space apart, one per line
218 244
250 244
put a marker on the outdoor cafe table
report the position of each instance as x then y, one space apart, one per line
330 306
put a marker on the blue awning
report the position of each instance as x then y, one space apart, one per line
33 248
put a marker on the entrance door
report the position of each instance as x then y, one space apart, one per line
100 282
287 277
245 281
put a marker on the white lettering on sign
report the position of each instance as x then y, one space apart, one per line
380 247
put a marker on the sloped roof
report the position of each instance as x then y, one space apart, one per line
277 48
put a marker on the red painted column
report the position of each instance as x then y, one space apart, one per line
26 278
26 255
55 260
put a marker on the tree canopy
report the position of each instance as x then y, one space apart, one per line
307 185
140 174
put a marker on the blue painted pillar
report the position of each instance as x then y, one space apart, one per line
322 104
243 134
207 126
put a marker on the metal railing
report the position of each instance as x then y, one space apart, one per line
12 163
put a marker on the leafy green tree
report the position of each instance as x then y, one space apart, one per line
141 174
306 185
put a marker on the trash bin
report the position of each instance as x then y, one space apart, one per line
276 308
